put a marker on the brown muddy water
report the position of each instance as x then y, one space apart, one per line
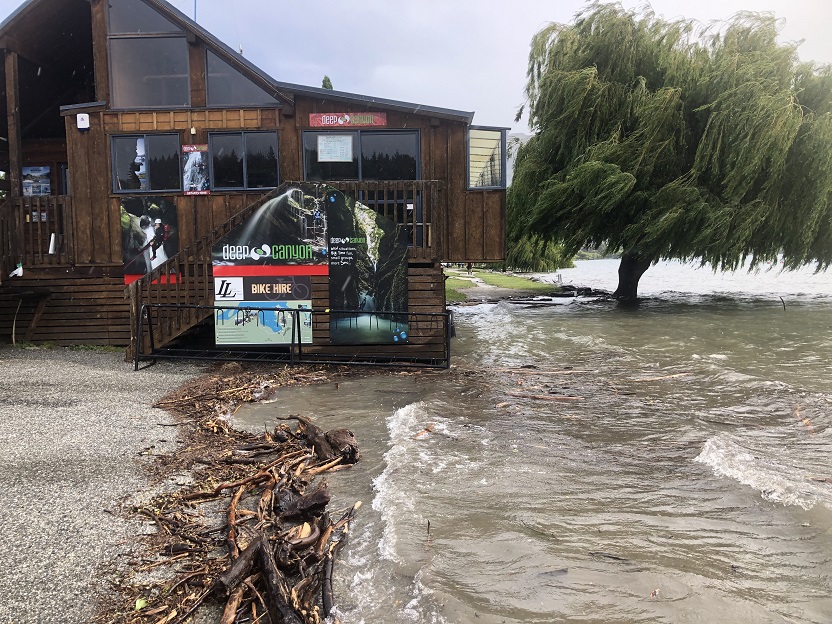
686 485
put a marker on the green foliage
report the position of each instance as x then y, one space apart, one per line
326 83
670 139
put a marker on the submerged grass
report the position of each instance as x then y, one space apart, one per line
457 282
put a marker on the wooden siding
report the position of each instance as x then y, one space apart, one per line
125 122
89 181
74 310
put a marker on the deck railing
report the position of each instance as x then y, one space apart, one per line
182 284
36 231
414 204
8 239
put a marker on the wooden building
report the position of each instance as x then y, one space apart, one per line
105 102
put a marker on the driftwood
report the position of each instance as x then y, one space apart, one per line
280 539
328 445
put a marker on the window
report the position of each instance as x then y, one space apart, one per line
148 162
228 87
361 155
136 17
486 157
243 160
148 58
372 155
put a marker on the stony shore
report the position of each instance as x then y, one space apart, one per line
78 431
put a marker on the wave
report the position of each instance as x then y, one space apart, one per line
781 480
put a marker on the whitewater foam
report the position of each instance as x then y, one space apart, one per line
778 480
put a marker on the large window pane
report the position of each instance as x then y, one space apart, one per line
261 159
485 158
146 163
330 156
134 16
150 72
389 156
129 164
164 170
227 158
228 87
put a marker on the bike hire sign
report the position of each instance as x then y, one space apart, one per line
264 268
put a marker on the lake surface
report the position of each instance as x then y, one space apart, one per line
590 463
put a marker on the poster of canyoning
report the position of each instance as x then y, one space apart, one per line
367 275
149 234
264 268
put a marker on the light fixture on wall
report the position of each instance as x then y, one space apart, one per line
193 130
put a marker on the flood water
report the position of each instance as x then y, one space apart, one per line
587 463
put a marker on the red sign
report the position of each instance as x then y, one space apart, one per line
346 120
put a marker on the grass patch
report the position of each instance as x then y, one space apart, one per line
512 282
453 286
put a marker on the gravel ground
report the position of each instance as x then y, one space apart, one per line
76 429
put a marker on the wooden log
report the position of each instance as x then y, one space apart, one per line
239 569
316 438
311 504
279 597
343 442
229 614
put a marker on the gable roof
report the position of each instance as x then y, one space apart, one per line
282 91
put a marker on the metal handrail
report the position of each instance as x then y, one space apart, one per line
293 351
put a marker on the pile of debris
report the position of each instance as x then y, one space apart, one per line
270 556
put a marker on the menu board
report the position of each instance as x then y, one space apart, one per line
334 148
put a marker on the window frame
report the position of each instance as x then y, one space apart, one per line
139 135
245 186
504 159
359 131
172 34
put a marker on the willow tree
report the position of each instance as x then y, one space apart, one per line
668 139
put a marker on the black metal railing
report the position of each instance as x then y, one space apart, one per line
431 329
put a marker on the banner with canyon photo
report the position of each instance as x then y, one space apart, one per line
265 267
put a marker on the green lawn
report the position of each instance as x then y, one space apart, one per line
456 282
453 286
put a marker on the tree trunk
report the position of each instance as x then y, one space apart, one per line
630 270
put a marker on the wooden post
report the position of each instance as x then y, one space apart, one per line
98 9
13 117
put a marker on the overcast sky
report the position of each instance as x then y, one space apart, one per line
467 55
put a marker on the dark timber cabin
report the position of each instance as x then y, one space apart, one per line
106 104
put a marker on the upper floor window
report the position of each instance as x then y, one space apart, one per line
146 162
486 158
228 87
361 155
136 17
243 160
148 58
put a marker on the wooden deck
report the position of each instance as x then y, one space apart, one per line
66 302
